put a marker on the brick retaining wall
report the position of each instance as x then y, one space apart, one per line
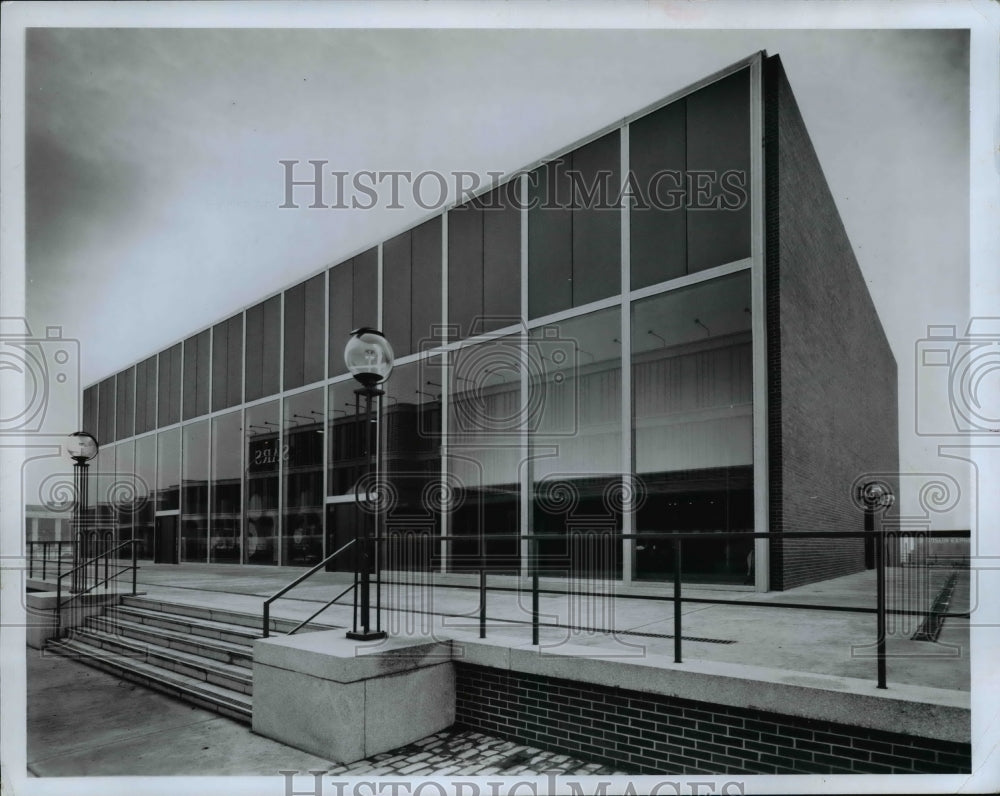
650 733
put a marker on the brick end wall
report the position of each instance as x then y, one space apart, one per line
832 393
653 734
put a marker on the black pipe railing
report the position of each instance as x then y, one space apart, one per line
46 547
285 589
880 609
108 577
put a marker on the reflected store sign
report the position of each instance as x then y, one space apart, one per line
265 455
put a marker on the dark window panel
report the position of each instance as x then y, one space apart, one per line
234 369
106 411
425 285
196 374
89 420
125 404
465 267
145 395
226 488
718 160
341 309
270 369
314 329
596 220
396 273
658 163
501 258
220 365
169 386
294 336
254 351
550 240
365 290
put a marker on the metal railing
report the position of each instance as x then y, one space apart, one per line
46 548
429 542
282 591
79 572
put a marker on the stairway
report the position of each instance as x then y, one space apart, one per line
200 655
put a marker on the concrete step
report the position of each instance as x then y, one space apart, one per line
235 678
237 654
187 624
252 621
190 689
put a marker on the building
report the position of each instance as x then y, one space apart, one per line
703 356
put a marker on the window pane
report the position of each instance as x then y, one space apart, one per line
125 403
550 239
693 426
145 395
227 363
262 348
194 472
126 498
145 488
169 387
412 463
226 497
485 419
196 374
304 329
718 162
89 421
341 308
168 470
425 291
596 220
346 454
303 478
465 267
106 411
396 270
263 456
658 163
575 405
501 257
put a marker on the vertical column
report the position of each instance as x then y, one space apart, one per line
628 464
445 384
525 470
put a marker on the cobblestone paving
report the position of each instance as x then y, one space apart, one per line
468 753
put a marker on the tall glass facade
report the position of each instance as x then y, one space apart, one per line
574 358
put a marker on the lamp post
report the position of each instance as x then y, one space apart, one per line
877 498
369 359
81 447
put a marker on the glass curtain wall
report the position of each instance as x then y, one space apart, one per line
226 488
263 458
145 489
576 448
302 480
692 426
194 497
126 494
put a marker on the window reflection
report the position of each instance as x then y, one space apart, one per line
226 493
303 478
194 505
693 426
484 452
168 459
263 457
145 482
575 405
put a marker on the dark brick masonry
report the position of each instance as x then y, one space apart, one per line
652 734
832 402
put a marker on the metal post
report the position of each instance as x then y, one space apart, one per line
482 601
677 600
267 619
534 589
135 568
880 599
369 528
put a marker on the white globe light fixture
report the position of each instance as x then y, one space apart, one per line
81 446
368 356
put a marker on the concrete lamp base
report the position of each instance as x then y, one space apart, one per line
371 635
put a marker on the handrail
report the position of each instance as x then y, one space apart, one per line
106 555
297 581
46 545
677 537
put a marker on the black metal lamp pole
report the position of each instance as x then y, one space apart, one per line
81 448
369 358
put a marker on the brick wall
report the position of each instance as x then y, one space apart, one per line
832 385
652 734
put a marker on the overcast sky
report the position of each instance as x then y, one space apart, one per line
154 184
